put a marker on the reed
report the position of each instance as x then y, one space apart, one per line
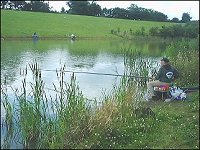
8 118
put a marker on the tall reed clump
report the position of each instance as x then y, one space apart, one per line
37 127
184 56
139 67
9 118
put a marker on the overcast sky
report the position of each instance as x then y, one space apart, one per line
170 8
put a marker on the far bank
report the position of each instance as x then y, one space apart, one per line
24 24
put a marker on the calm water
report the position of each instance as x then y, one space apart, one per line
100 56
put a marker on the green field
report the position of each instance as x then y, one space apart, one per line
24 23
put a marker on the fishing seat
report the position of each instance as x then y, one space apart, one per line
163 91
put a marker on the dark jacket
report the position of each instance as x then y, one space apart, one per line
167 74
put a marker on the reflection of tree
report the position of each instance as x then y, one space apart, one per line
162 46
85 47
157 47
9 63
9 66
78 51
84 62
153 47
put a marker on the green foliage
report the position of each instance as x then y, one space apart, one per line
153 31
184 56
190 30
140 32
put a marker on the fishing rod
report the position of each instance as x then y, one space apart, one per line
187 89
96 73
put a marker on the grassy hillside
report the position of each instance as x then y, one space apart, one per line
23 23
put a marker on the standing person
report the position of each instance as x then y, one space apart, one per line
166 75
35 36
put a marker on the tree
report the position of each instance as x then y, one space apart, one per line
40 6
135 12
120 13
175 19
37 6
78 7
95 9
18 4
3 4
10 4
186 17
106 12
27 7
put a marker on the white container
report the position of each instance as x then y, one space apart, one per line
183 95
167 100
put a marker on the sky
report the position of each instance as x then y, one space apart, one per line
170 8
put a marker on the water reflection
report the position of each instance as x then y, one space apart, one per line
35 40
82 55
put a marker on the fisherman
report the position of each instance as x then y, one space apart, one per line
73 36
35 36
166 75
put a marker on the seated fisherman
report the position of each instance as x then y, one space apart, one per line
166 75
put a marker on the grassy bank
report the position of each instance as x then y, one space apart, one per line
24 24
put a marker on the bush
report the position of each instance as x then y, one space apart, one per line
153 31
184 56
190 30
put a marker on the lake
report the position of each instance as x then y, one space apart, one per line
93 56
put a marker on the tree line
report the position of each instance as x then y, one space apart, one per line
133 12
36 6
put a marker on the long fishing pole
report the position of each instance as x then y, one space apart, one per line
92 73
97 73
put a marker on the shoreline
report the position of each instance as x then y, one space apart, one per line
86 38
56 38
